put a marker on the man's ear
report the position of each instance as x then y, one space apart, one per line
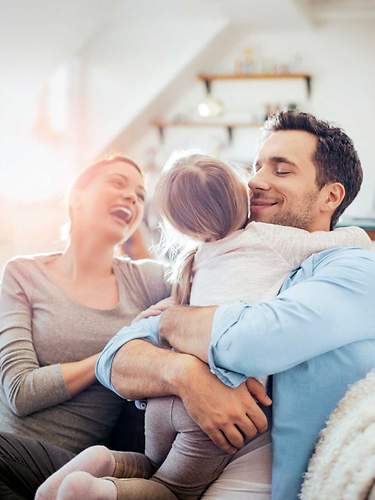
333 194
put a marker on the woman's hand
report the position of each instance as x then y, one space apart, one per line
156 309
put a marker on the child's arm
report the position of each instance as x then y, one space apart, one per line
295 245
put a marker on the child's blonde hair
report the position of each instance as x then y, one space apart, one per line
203 198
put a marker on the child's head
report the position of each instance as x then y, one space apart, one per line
202 197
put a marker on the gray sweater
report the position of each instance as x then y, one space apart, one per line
41 327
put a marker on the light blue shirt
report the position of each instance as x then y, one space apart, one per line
317 337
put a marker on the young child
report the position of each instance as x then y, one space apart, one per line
207 201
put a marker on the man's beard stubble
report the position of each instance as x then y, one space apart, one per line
301 219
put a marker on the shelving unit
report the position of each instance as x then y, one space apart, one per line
162 125
209 78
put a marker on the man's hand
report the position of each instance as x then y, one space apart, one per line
226 415
257 390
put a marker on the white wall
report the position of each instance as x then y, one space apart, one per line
131 63
35 39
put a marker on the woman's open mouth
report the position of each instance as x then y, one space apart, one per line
122 215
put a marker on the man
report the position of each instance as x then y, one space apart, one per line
317 336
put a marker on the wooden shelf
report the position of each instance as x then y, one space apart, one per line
208 78
161 125
201 123
256 76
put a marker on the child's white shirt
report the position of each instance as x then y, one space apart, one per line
251 264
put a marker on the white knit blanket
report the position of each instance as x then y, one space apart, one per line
343 465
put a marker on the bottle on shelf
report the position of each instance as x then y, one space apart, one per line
246 63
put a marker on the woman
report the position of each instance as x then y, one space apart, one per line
57 311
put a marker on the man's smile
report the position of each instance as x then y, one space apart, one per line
260 204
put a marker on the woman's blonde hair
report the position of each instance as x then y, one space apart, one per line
203 198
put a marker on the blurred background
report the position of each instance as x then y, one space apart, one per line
83 79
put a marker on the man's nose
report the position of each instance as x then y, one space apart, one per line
259 182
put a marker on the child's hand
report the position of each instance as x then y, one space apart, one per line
156 309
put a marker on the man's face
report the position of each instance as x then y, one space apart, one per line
284 189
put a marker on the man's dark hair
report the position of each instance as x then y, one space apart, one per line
335 159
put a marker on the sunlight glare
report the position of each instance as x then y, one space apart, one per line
32 172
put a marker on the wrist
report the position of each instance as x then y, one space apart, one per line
90 363
167 325
178 373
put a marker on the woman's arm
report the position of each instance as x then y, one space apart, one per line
27 386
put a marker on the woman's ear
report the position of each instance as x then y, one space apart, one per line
334 193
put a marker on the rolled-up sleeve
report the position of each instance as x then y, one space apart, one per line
145 329
226 318
331 305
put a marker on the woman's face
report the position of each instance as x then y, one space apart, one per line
112 203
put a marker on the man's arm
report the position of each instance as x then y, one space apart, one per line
135 365
138 369
332 307
225 414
